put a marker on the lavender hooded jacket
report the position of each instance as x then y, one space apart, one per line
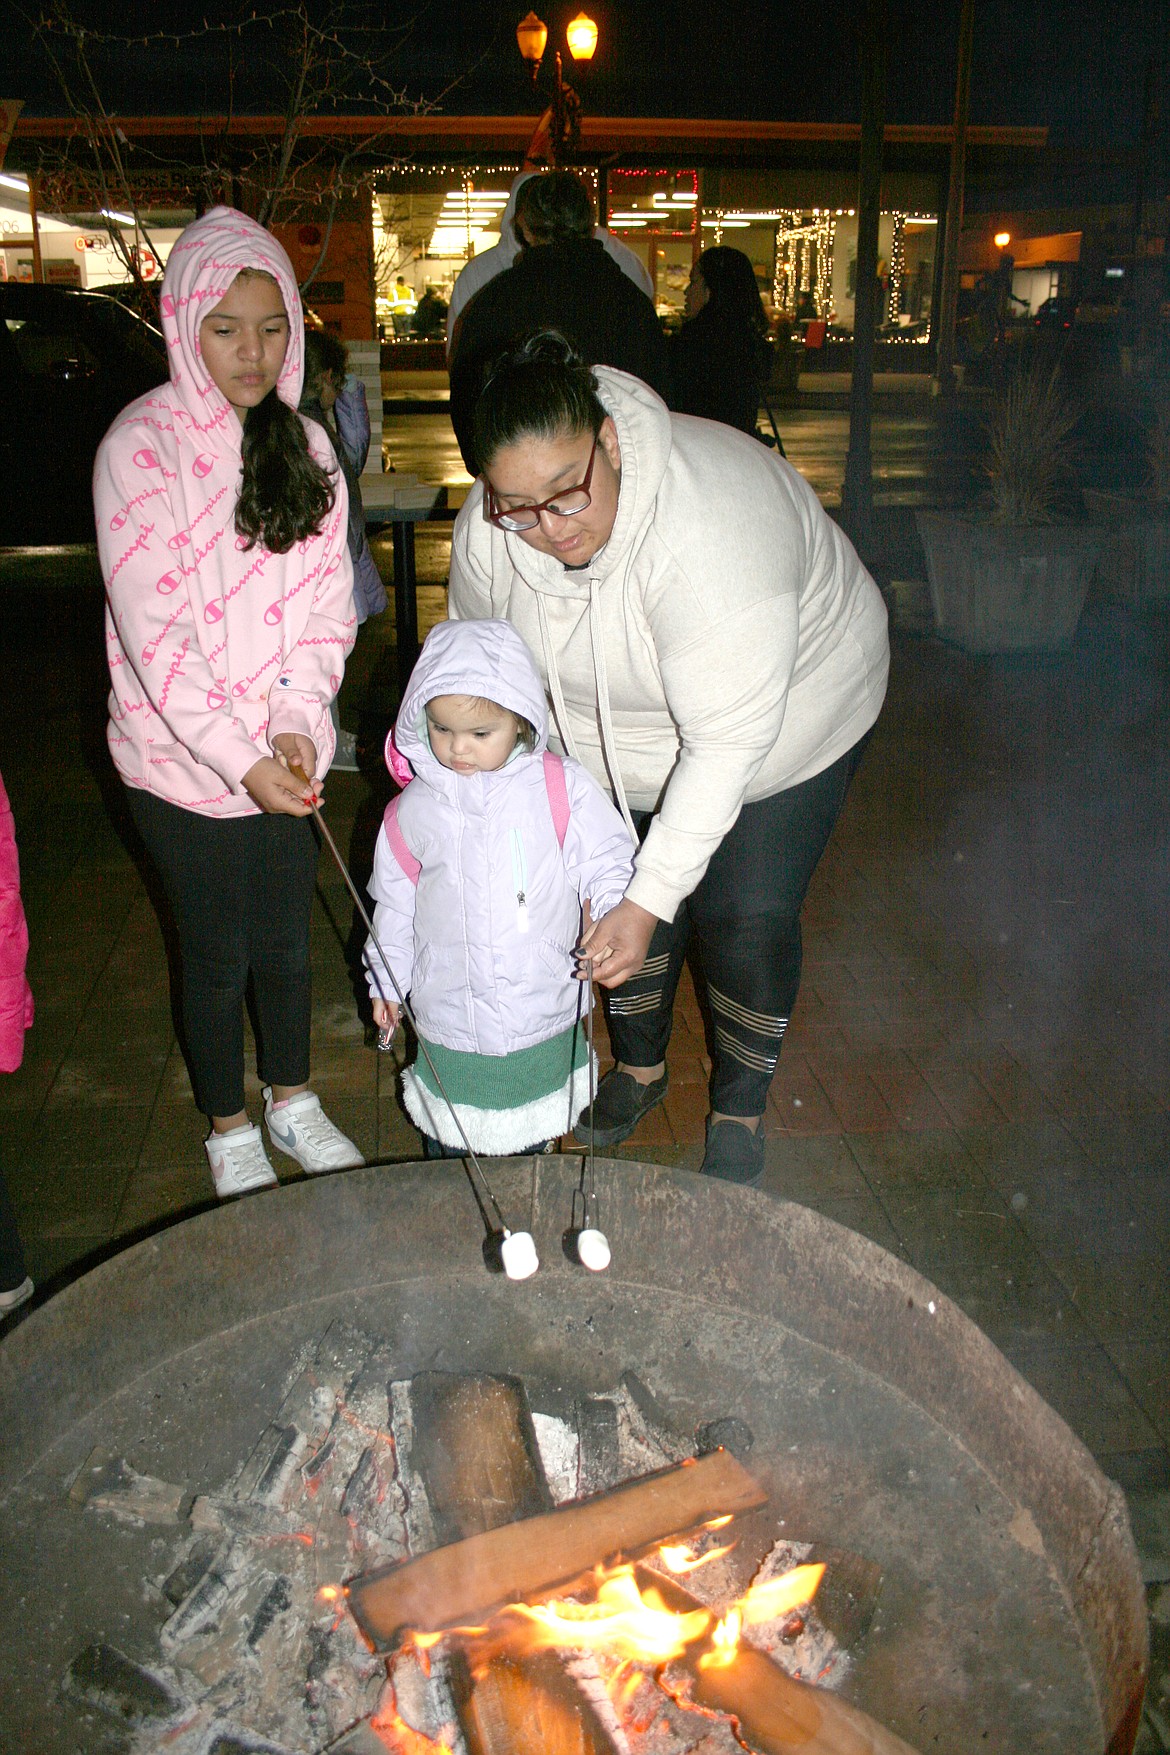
487 972
214 649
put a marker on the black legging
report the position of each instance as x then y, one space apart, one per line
241 889
12 1268
746 917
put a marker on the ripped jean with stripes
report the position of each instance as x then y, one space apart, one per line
745 916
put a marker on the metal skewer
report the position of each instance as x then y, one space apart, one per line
593 1249
517 1250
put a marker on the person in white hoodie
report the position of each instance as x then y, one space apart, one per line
489 263
716 654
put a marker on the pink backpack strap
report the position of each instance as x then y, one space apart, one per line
397 840
558 794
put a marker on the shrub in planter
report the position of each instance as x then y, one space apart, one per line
1016 578
1135 556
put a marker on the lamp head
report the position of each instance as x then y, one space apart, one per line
531 37
582 37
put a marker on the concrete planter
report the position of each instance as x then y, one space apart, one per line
1135 553
1003 588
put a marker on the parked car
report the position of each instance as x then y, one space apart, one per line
69 362
1057 312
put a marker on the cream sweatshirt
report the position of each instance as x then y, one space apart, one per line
724 644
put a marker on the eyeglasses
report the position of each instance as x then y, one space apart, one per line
562 504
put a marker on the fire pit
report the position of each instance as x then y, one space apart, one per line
1011 1615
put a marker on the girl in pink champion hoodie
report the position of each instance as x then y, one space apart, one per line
221 521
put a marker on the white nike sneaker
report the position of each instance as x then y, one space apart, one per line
239 1163
301 1128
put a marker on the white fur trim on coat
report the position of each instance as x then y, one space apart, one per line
498 1132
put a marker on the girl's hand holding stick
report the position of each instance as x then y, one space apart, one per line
278 783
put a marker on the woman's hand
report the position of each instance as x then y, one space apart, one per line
385 1014
618 943
269 784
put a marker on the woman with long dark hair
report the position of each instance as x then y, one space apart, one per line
719 359
716 655
221 519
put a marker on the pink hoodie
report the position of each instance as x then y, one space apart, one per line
16 1000
213 648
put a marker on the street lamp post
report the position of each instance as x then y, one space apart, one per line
563 116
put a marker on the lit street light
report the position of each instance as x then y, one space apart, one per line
564 113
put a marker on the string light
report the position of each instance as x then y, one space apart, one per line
897 267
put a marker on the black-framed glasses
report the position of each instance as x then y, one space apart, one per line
563 504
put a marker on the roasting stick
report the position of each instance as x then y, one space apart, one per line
517 1250
592 1244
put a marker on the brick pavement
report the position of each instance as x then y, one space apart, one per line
976 1075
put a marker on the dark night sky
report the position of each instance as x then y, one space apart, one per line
1076 65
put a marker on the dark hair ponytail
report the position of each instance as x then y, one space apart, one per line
285 494
541 389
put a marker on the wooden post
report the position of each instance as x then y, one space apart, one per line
944 369
38 262
857 493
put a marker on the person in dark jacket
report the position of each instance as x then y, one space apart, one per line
562 279
719 359
430 316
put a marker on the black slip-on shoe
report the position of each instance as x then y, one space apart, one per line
734 1153
618 1107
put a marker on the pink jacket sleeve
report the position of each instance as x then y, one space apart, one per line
177 680
16 1000
299 698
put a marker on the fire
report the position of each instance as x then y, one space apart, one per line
621 1620
633 1625
777 1596
399 1737
679 1558
724 1642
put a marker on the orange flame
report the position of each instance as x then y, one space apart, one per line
764 1602
399 1737
679 1558
724 1642
635 1626
621 1620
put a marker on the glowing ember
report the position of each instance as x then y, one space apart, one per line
399 1737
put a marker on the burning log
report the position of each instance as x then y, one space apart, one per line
774 1713
474 1447
527 1703
460 1584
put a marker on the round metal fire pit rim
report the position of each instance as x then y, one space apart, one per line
734 1249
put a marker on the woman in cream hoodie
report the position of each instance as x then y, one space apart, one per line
716 654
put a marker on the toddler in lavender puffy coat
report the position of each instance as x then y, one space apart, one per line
483 935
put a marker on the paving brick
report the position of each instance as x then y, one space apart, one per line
687 1107
1011 1088
811 1170
797 1101
851 1094
910 1099
1087 1390
964 1099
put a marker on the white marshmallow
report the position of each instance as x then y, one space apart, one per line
593 1251
518 1254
